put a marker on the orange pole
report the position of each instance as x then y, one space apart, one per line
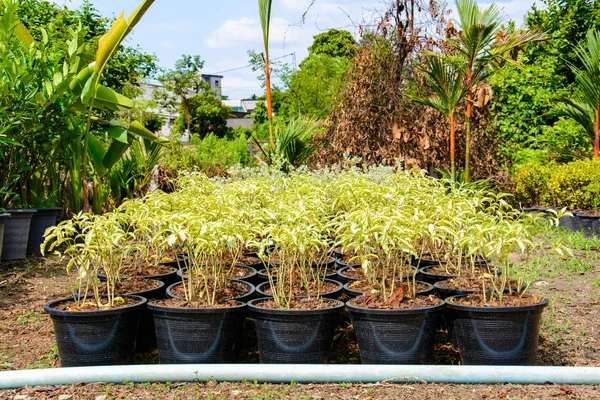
269 102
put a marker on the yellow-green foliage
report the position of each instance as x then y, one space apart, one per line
532 181
575 185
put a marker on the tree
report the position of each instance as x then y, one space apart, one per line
181 84
334 43
566 23
314 85
447 83
585 107
207 114
478 49
128 66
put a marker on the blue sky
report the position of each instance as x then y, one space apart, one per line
222 31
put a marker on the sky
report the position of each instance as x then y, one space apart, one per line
222 31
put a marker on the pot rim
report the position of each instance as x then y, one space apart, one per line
154 277
348 288
484 309
240 306
21 210
4 215
141 294
252 288
49 308
388 311
254 307
340 287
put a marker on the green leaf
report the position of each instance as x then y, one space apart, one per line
118 133
111 99
97 153
114 153
89 89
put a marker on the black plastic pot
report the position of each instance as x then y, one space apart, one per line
590 225
334 294
445 292
294 336
571 223
41 220
355 293
404 336
179 263
251 276
3 218
196 335
168 278
16 234
249 295
433 278
99 337
146 338
342 277
496 335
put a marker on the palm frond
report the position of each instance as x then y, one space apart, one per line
264 10
579 110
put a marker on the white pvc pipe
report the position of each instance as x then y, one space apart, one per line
282 373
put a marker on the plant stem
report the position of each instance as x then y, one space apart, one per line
452 148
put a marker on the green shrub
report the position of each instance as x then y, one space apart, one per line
211 154
531 182
575 185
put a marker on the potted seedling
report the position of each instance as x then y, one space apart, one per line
200 322
393 324
500 325
96 329
296 324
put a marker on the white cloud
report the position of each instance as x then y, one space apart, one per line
246 30
165 44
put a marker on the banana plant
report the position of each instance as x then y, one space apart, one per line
84 82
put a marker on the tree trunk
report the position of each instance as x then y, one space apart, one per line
468 114
452 148
269 103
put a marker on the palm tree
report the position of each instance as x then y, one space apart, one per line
446 81
585 107
478 51
264 10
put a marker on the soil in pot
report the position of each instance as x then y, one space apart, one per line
356 288
329 289
159 272
399 331
16 234
87 336
437 273
197 332
498 332
235 290
301 335
466 285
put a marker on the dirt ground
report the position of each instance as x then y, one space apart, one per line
569 336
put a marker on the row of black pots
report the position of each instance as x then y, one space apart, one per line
22 231
588 224
484 335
